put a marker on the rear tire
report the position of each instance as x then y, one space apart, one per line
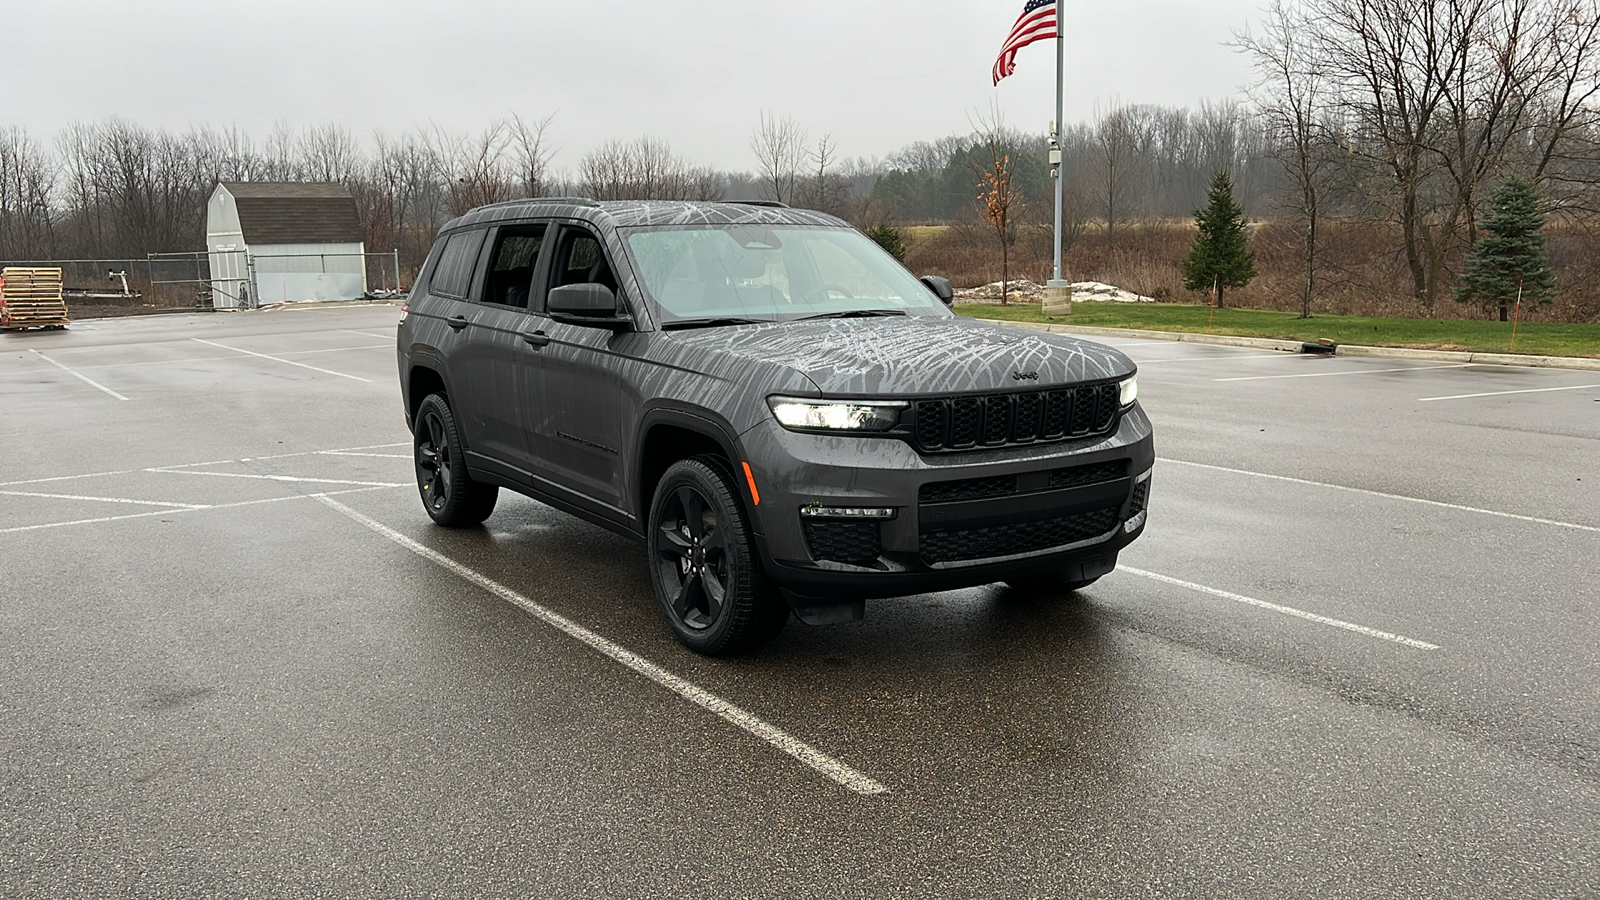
703 562
449 494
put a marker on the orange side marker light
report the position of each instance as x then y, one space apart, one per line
750 479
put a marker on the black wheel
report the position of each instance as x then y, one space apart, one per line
449 494
703 562
1044 585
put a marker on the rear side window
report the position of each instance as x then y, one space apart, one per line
452 277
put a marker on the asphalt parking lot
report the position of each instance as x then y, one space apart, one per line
1354 655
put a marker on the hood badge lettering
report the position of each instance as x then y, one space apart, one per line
1025 376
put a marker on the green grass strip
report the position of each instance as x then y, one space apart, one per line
1534 338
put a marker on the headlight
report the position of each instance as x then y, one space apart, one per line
1129 391
822 415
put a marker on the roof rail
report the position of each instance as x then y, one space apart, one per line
773 204
524 201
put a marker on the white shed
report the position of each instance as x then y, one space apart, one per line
275 241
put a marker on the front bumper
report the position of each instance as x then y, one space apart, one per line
957 519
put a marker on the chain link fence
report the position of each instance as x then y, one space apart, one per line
233 279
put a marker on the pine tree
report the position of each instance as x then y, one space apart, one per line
1510 256
1221 255
889 238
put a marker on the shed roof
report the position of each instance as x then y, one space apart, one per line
278 212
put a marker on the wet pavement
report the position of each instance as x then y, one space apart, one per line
1354 655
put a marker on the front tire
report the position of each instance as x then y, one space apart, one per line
703 562
449 494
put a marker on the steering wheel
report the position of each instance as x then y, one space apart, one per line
828 290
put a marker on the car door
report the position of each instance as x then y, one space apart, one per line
496 349
577 429
448 314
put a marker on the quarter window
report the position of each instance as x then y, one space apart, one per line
452 277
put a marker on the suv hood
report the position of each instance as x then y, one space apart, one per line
916 355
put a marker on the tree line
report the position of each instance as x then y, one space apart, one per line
1404 114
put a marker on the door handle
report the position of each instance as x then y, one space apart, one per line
536 338
456 322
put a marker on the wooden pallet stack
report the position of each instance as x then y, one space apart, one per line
31 298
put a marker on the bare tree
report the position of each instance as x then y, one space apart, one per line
27 222
1291 100
1118 156
780 148
532 153
645 168
999 203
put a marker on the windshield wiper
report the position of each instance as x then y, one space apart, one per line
854 314
711 322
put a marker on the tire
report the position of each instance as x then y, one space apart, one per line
703 562
449 494
1045 585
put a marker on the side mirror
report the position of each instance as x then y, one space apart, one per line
941 288
586 304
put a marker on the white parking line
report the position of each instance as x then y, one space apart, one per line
178 512
1358 372
106 500
1575 387
833 769
376 455
287 362
1285 610
218 462
381 337
338 349
1370 493
283 478
84 378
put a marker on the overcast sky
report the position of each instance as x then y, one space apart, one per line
876 74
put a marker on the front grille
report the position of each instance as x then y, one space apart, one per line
1007 485
1019 537
1002 420
854 543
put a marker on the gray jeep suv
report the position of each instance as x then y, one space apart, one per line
787 419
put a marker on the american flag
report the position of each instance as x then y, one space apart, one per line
1037 23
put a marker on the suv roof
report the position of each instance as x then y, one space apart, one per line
629 213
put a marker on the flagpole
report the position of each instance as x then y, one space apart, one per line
1061 287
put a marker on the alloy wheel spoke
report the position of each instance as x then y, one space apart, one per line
673 543
680 601
693 510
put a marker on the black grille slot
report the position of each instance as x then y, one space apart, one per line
966 414
1058 408
972 489
1082 475
1027 417
996 420
1003 420
853 543
1018 537
933 422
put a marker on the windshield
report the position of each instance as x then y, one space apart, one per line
767 273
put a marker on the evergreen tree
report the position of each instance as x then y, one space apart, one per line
889 238
1510 256
1220 255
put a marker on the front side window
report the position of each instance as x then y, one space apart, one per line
452 277
773 273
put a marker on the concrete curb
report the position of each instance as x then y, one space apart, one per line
1223 340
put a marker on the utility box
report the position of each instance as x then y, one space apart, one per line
31 298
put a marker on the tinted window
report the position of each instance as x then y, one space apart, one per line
511 269
452 277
